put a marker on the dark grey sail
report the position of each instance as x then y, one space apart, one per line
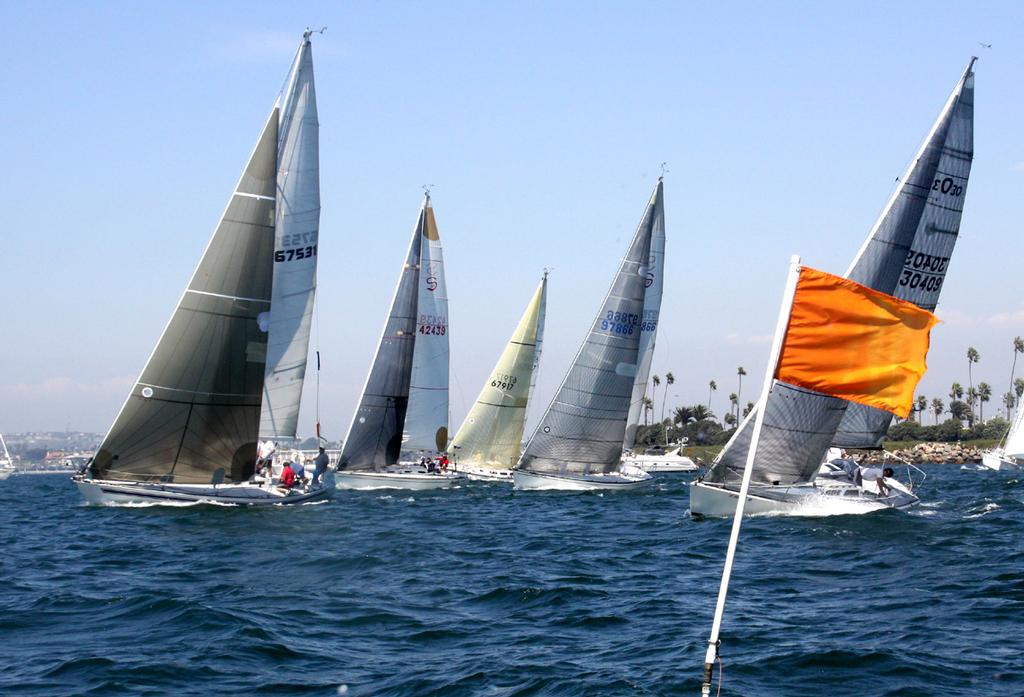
582 430
375 436
798 427
196 407
908 252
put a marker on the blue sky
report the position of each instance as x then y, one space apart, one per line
541 126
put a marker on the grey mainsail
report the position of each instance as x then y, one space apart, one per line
908 251
654 218
583 428
295 250
375 435
196 407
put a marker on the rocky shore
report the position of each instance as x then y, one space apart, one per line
925 453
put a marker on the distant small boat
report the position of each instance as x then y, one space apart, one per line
489 441
655 460
402 416
577 445
1010 455
6 463
231 362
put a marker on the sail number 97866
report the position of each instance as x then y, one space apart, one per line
620 322
296 253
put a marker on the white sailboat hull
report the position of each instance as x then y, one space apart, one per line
395 478
716 501
998 460
108 492
5 473
538 481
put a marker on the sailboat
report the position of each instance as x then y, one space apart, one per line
230 364
906 255
402 417
489 441
577 444
6 463
1010 455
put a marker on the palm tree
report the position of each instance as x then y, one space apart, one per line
648 408
937 408
1018 389
972 357
1008 401
1018 347
730 419
734 402
984 394
655 381
749 408
740 372
670 380
701 413
958 410
955 392
922 407
972 397
682 415
712 387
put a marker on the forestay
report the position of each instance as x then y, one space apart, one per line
908 251
492 433
196 407
375 435
426 422
295 250
654 218
583 428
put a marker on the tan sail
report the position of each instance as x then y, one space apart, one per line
492 433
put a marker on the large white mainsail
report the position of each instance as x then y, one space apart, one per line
581 432
426 420
908 251
295 250
654 218
1015 438
916 232
492 433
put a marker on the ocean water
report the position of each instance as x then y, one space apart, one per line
486 591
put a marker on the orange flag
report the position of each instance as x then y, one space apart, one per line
849 341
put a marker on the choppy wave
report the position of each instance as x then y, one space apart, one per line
480 591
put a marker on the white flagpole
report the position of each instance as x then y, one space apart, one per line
769 378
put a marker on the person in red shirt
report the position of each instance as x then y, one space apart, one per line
287 479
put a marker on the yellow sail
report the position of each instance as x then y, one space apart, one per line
492 433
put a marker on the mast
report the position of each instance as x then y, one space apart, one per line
769 378
296 249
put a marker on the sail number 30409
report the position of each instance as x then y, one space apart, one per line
296 253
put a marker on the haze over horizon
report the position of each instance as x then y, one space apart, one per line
542 130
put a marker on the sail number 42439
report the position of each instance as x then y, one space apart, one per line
296 253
